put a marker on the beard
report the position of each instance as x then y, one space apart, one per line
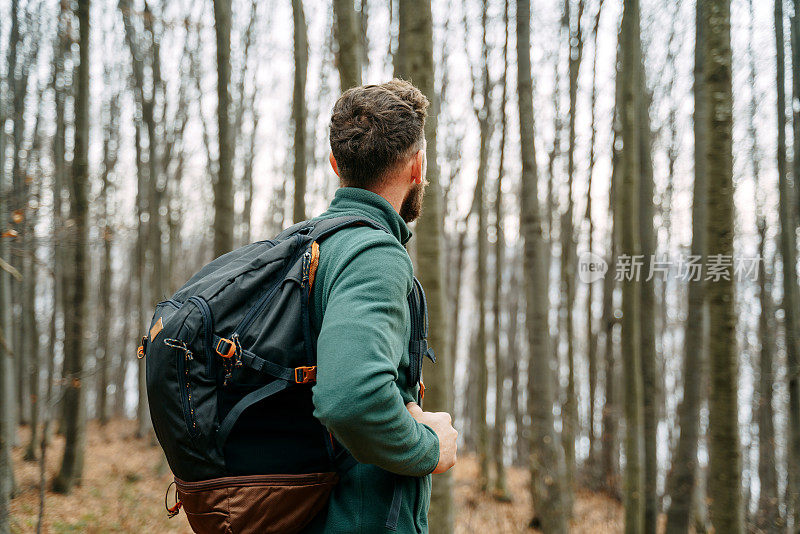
411 208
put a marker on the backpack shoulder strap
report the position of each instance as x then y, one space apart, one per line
418 347
323 228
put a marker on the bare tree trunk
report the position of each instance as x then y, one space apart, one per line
7 428
547 460
570 408
628 222
480 357
30 278
109 161
791 297
348 40
299 111
416 38
725 460
458 277
125 348
650 384
75 321
768 516
500 359
683 479
223 186
609 451
591 335
515 354
143 422
18 83
145 198
157 281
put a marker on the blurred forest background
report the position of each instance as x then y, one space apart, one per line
139 139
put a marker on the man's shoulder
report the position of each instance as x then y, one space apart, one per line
364 248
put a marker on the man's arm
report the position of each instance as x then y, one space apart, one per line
361 341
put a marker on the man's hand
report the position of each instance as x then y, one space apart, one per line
441 423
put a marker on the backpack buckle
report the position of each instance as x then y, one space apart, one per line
303 375
228 352
142 349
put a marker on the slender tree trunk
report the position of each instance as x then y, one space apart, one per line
788 217
7 428
109 159
724 480
628 221
768 516
348 39
500 358
18 83
125 347
143 421
155 128
570 409
794 32
515 355
75 321
223 186
416 39
30 279
458 277
609 451
591 335
480 357
299 111
546 461
683 479
647 240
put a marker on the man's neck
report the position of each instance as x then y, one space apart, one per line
393 193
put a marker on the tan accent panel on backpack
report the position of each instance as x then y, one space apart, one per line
312 269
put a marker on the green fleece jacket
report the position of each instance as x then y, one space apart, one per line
360 313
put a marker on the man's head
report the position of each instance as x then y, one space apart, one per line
378 143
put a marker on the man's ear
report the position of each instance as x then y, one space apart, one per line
334 165
418 167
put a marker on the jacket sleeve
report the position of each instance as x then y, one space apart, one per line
361 341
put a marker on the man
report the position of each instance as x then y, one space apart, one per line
359 310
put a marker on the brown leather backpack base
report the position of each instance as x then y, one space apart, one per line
263 504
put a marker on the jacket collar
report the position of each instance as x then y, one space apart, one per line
354 200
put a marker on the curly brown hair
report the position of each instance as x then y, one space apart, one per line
373 127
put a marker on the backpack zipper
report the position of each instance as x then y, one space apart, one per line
262 303
208 328
253 480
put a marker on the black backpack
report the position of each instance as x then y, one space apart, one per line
230 360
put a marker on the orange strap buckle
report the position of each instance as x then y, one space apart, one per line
231 348
303 375
140 350
173 510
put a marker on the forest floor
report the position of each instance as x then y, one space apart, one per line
125 480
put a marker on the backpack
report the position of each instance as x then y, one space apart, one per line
230 360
